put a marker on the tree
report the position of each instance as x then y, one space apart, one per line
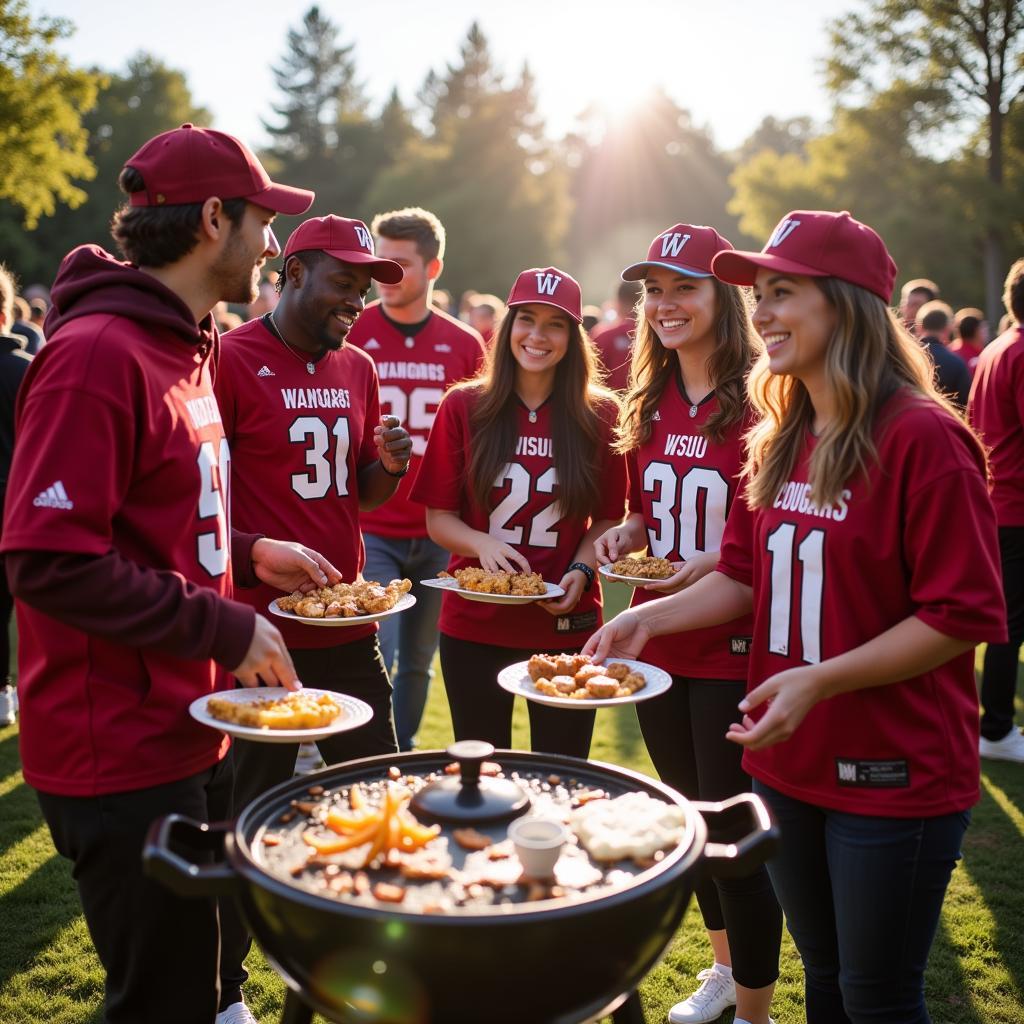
42 100
790 135
963 60
485 168
145 99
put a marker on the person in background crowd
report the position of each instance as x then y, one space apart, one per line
22 324
592 316
681 430
614 340
1006 321
419 352
484 312
996 411
913 295
14 361
934 330
860 721
225 319
37 311
310 469
121 559
971 336
519 476
266 300
441 299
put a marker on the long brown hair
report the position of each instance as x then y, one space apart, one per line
575 421
869 357
652 367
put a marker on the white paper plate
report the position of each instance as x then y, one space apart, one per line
452 584
354 713
633 581
516 679
405 602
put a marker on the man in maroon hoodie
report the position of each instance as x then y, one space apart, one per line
121 557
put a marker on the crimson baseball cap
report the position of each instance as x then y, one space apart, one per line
345 239
551 286
818 243
190 164
685 248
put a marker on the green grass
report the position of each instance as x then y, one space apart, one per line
49 972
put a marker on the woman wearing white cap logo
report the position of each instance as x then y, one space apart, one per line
518 476
860 722
682 429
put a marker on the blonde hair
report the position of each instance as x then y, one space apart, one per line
869 357
652 367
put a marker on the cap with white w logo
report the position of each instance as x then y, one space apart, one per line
685 248
53 496
551 286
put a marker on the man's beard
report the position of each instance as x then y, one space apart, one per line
235 272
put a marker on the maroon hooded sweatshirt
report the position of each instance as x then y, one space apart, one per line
116 537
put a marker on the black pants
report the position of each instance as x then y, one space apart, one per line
159 950
356 669
999 676
482 710
6 607
685 734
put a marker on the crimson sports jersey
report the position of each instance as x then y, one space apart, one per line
122 449
967 352
684 486
996 411
614 343
413 378
524 515
918 537
298 441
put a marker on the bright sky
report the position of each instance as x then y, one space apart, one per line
730 62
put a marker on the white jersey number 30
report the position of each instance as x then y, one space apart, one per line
701 496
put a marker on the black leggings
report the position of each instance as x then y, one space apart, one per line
482 710
685 734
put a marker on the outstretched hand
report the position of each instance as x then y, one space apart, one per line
290 566
788 697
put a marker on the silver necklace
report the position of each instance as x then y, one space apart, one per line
310 365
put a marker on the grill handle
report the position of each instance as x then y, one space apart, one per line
162 860
730 852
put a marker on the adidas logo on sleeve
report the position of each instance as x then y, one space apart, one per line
265 371
53 497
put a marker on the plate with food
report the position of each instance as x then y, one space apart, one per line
272 714
475 584
574 681
637 572
345 604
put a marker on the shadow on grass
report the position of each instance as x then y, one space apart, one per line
19 816
947 984
9 758
33 913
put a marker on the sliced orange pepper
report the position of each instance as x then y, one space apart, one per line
356 799
340 845
338 821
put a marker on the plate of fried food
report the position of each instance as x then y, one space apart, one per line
476 584
574 681
272 714
638 571
345 604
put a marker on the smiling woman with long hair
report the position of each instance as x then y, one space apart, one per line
519 476
860 722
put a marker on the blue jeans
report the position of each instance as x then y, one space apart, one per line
411 636
862 897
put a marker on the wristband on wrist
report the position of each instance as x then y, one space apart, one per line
405 469
587 572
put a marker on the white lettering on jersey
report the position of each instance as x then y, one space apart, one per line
541 446
364 237
672 244
547 283
782 232
693 446
203 411
795 497
400 370
316 398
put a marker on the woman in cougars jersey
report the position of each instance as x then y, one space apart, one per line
519 476
860 722
681 429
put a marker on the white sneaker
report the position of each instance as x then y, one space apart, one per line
716 994
237 1013
1009 748
8 705
309 759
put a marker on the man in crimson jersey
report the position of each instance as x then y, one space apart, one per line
614 340
120 555
420 352
996 411
310 449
